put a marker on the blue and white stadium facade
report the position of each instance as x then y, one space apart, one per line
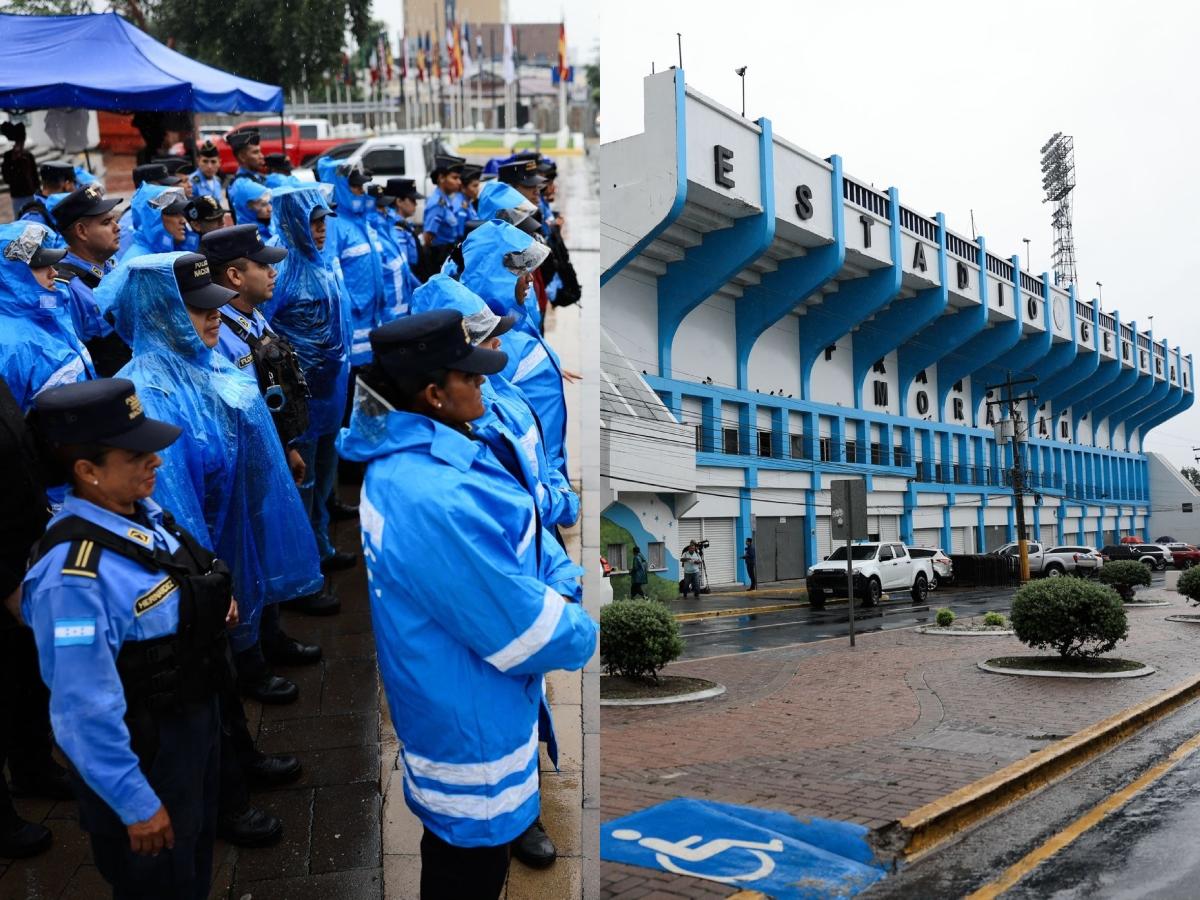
772 322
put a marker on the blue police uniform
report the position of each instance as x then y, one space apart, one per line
206 187
464 680
85 314
398 280
38 344
231 345
351 243
408 243
444 218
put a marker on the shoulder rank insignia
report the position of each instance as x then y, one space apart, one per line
155 596
83 558
140 536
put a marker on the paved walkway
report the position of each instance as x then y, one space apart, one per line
865 735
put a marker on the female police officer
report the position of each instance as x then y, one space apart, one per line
129 614
465 624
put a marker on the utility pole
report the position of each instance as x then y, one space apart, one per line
1018 473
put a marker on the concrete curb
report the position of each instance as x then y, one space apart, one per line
928 827
743 611
950 632
1186 618
715 691
1047 673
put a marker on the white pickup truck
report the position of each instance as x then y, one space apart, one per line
877 567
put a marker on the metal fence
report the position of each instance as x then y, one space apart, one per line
986 570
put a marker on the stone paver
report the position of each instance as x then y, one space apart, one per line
865 735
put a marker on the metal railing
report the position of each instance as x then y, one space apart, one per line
982 476
1143 341
1107 322
960 247
1127 333
998 267
1031 284
866 198
919 225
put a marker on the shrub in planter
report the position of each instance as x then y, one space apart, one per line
1124 576
1075 617
637 638
993 618
945 617
1189 584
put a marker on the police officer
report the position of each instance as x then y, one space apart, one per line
57 178
149 173
206 180
243 263
445 218
88 223
463 679
279 171
129 612
204 214
398 280
178 167
471 183
406 194
249 156
524 176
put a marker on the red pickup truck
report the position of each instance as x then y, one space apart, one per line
304 139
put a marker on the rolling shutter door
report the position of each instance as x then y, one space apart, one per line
961 540
689 530
824 538
719 558
1049 535
889 528
927 537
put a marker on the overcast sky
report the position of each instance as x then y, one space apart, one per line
950 102
582 18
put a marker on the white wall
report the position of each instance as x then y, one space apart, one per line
704 343
1168 492
832 381
965 396
631 318
891 377
930 390
775 360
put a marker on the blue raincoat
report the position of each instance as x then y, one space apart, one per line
225 479
465 624
38 344
307 309
510 426
39 210
495 196
277 180
351 241
149 233
398 280
241 193
83 177
532 365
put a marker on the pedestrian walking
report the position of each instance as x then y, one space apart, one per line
749 558
637 574
691 560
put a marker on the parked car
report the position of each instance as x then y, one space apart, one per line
1150 555
943 565
876 567
1183 556
1167 539
401 155
303 140
1035 550
1071 559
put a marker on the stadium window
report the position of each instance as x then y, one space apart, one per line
826 449
616 557
764 443
797 445
656 556
730 438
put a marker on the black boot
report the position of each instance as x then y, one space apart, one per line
20 839
338 562
321 603
269 688
287 651
250 828
534 847
273 769
49 782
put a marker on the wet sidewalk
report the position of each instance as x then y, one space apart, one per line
866 734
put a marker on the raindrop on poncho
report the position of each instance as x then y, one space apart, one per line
243 192
38 344
150 235
350 240
226 479
483 255
307 308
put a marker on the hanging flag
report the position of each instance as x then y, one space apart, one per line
385 56
510 69
466 50
437 61
421 59
459 71
403 56
347 72
562 51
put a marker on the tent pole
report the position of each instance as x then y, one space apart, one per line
282 128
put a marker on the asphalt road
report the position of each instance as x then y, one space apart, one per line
1143 849
742 634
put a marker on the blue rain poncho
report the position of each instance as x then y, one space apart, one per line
351 241
307 309
226 479
465 624
277 180
39 210
510 418
243 192
398 280
496 196
38 344
149 233
483 255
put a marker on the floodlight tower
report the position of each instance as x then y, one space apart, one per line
1058 180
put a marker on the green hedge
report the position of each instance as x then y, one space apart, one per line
637 638
1075 617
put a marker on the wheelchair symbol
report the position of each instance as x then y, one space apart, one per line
690 850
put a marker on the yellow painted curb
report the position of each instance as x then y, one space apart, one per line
748 895
719 613
926 828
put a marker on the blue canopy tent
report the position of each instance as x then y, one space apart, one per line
100 61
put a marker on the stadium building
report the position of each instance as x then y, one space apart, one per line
772 322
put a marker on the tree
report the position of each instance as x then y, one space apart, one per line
292 44
48 7
1192 474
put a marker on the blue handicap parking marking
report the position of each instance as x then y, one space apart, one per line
772 852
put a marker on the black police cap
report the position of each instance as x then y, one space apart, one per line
208 148
356 175
56 171
244 138
204 209
425 342
46 256
404 188
105 411
175 165
278 162
523 173
238 242
87 201
443 163
471 173
194 277
154 173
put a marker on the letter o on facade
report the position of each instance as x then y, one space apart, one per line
922 402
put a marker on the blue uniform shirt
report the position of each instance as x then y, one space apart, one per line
408 243
445 218
232 347
81 304
81 612
205 187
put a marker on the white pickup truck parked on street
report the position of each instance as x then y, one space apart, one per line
1068 559
877 567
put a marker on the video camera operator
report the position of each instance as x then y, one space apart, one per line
692 559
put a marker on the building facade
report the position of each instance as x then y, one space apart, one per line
772 323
